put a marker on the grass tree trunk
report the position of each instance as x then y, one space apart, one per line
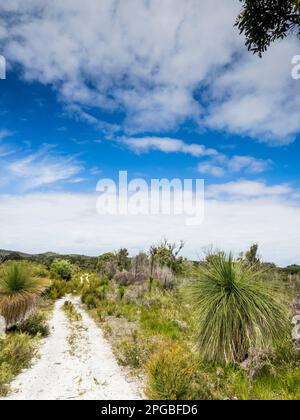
2 326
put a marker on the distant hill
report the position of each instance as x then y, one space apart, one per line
47 258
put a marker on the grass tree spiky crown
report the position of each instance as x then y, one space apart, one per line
236 310
19 291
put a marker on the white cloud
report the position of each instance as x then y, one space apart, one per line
43 168
95 170
166 145
217 166
211 169
258 97
150 59
221 165
248 163
71 224
248 189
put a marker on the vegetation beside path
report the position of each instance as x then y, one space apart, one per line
219 328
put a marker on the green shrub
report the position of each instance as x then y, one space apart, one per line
53 294
62 269
40 271
57 290
108 308
135 350
129 311
171 375
16 352
35 325
131 352
100 292
94 292
104 281
121 292
73 286
91 301
107 330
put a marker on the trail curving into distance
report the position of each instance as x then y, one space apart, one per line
75 363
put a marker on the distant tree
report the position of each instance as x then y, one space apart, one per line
140 267
292 269
122 259
166 254
12 256
251 256
265 21
107 265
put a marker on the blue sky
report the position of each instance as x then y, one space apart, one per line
35 118
157 91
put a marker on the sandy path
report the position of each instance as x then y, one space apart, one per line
75 362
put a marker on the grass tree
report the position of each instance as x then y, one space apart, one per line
19 292
236 310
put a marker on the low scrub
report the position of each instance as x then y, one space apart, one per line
57 289
136 350
16 352
36 325
172 375
71 311
155 322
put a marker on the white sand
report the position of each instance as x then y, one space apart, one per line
89 372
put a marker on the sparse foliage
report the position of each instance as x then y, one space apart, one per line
166 254
107 265
251 256
265 21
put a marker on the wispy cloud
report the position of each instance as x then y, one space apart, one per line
95 170
218 164
248 189
5 133
222 165
5 150
166 145
211 169
42 168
